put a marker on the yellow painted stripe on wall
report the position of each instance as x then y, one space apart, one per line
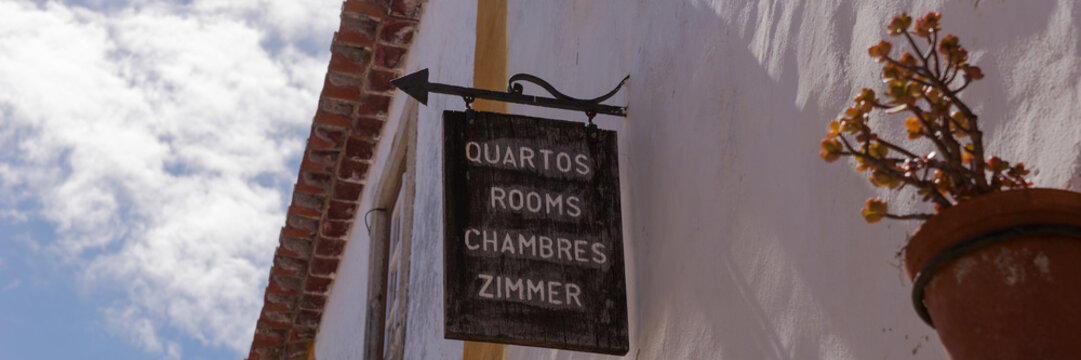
489 72
490 54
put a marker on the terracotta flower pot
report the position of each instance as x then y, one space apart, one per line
999 276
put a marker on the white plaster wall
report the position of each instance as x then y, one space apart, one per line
447 49
741 243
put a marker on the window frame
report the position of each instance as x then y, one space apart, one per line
392 212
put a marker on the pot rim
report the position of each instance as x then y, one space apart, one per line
987 213
984 221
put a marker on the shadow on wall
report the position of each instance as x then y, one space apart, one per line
708 118
1029 96
878 310
1075 181
747 245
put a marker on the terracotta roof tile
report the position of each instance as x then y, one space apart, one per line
345 130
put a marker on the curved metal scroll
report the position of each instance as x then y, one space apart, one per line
514 87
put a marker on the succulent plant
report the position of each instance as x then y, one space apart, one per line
925 84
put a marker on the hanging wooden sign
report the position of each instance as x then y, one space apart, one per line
533 241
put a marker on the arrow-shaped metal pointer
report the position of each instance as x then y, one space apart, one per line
417 86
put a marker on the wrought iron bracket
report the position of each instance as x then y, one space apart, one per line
417 86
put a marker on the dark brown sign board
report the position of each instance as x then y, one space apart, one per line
533 240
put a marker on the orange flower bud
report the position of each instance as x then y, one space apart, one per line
972 72
899 24
874 210
927 24
880 51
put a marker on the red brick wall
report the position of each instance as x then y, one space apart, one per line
368 51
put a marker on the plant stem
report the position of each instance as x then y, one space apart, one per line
883 165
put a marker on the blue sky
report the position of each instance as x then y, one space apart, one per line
147 152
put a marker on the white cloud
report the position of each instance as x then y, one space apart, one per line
27 241
141 331
291 20
147 133
14 284
13 215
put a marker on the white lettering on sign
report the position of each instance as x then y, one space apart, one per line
534 201
564 204
529 290
520 157
471 245
582 163
561 159
531 246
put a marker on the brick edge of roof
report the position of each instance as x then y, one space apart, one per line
368 50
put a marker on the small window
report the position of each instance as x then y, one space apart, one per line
389 234
397 282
